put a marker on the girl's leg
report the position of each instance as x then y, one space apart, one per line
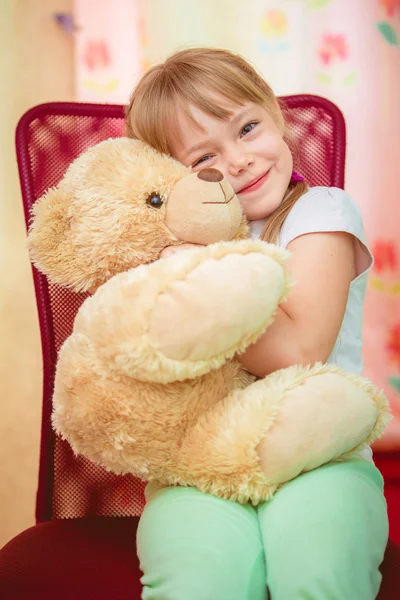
194 546
325 534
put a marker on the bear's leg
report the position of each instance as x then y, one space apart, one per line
292 421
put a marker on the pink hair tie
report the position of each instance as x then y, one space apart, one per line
296 177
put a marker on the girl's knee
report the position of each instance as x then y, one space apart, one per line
192 545
189 571
322 580
339 494
325 534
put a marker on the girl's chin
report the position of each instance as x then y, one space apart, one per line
255 211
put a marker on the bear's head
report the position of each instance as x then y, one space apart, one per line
119 205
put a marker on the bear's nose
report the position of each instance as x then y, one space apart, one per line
210 175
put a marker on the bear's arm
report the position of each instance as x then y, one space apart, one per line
180 317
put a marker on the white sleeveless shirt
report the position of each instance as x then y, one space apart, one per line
324 209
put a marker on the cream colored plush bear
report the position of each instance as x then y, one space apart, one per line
148 382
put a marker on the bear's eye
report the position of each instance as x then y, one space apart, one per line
154 200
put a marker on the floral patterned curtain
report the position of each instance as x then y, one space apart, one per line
347 51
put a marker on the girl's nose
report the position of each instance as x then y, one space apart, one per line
239 161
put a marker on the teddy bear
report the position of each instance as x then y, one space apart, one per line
148 383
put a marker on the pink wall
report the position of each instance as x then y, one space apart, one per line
107 49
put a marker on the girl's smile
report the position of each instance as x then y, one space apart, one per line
255 184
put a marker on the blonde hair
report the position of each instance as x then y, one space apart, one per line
195 76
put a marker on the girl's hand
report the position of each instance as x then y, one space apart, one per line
171 250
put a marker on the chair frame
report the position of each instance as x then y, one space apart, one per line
46 469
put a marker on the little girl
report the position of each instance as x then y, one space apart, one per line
323 535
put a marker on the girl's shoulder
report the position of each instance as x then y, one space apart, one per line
328 209
323 209
323 202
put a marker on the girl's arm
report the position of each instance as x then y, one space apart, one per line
306 327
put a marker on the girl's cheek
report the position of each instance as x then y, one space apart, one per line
285 162
272 148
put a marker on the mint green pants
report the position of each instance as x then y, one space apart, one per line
321 537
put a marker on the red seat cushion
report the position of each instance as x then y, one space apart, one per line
389 465
95 559
78 559
390 568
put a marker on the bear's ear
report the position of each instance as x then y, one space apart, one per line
49 233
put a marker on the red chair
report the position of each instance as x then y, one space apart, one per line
83 545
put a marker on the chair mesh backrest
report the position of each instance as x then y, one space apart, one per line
48 138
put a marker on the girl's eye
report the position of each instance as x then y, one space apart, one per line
247 128
201 160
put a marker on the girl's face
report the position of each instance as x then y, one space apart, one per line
248 149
